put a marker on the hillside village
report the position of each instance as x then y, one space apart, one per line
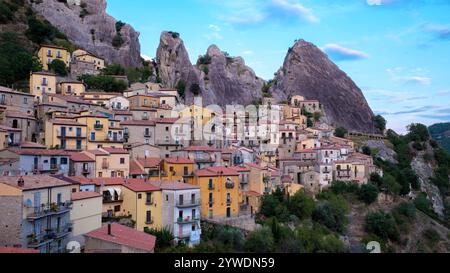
74 160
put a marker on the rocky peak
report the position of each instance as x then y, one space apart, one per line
222 79
308 71
92 29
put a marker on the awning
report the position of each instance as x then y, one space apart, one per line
111 191
118 190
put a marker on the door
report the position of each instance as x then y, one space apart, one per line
36 163
228 212
63 131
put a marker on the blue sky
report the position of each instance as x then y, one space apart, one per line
397 51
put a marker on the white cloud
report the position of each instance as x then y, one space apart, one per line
214 27
340 53
413 76
298 9
248 52
380 2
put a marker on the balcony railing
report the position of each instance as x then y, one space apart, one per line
188 174
44 83
69 135
48 210
110 199
98 126
229 201
188 220
211 201
186 204
149 202
211 187
35 241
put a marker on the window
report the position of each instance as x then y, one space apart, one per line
148 219
92 135
25 100
140 196
117 208
149 198
122 161
64 161
167 129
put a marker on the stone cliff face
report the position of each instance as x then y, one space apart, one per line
91 28
222 79
307 71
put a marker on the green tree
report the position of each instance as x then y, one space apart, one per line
341 132
301 205
260 241
390 185
382 225
58 67
105 83
114 69
332 213
195 89
181 88
418 132
368 193
366 150
380 123
16 62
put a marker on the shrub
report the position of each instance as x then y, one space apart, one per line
58 67
181 88
195 89
260 241
380 123
101 82
368 193
114 69
119 26
164 236
432 236
382 225
117 41
301 205
340 132
332 213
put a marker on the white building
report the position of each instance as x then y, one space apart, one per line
181 210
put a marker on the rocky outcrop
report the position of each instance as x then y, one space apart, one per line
222 80
384 152
173 63
307 71
92 29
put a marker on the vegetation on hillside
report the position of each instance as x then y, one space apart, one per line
441 133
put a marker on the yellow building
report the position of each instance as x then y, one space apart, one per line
219 187
66 134
71 88
42 83
99 133
178 168
86 56
48 53
146 101
143 202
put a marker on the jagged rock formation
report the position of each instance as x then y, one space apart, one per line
307 71
92 29
222 79
173 63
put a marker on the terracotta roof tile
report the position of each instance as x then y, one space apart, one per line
81 157
179 160
84 195
216 171
123 235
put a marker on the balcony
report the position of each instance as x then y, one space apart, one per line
36 241
48 210
229 201
59 134
58 233
3 102
188 220
188 174
147 134
187 204
44 83
86 170
109 199
211 187
326 171
54 167
98 127
211 202
149 202
145 118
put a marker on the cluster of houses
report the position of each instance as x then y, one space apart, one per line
101 168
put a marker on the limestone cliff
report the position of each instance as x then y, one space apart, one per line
87 25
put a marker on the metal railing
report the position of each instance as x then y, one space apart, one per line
190 203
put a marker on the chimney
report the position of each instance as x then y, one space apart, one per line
21 182
109 229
